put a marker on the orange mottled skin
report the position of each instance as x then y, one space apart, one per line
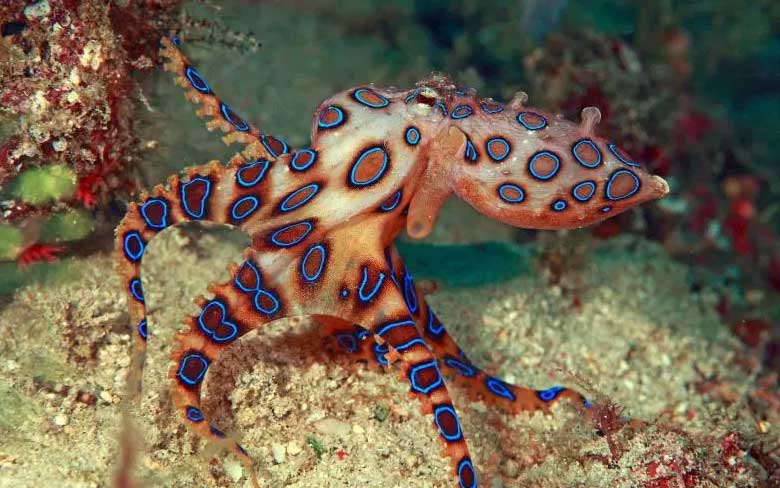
323 220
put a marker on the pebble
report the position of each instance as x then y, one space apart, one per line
357 429
333 427
37 9
293 448
278 452
61 419
233 469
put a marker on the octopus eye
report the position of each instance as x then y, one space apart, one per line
426 99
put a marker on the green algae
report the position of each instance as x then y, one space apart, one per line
42 185
72 225
11 241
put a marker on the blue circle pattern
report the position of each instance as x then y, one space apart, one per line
466 465
461 112
335 123
550 393
254 204
243 182
536 157
258 291
431 327
137 290
285 146
586 142
364 296
379 353
511 187
414 380
590 184
234 120
133 239
294 161
392 202
196 80
163 223
359 161
322 255
538 126
275 236
410 293
442 107
312 188
462 368
194 414
358 95
498 157
559 205
488 110
232 328
614 149
201 211
194 356
608 191
471 152
412 136
499 388
448 436
143 329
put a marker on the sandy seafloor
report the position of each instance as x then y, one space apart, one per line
639 335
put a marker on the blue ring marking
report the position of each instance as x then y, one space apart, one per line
196 80
471 152
344 293
138 240
435 331
465 464
587 404
249 198
285 146
550 393
420 367
511 186
364 281
462 368
358 96
552 173
257 274
442 107
284 205
223 321
216 431
499 388
394 325
412 96
137 290
541 125
176 41
275 235
608 190
606 209
410 294
294 161
379 353
194 414
498 157
164 221
143 329
614 149
227 114
406 345
462 92
488 110
450 437
412 136
323 254
183 365
203 199
347 342
330 125
243 183
559 205
588 183
579 159
357 164
461 112
259 307
392 202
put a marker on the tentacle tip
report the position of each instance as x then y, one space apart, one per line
589 118
519 100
